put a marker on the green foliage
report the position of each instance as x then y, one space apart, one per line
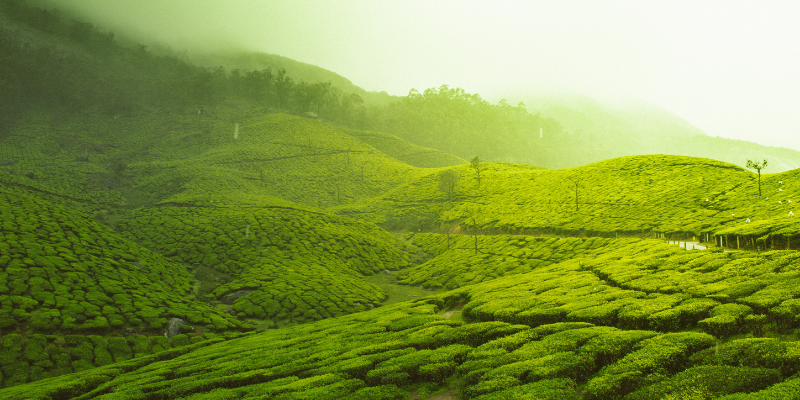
499 255
465 124
711 381
786 390
656 358
545 389
289 263
540 316
753 352
411 154
100 261
638 195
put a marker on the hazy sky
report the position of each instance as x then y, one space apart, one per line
731 68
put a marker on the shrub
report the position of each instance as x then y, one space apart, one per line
119 349
655 358
546 389
753 352
437 372
383 392
713 380
721 325
786 390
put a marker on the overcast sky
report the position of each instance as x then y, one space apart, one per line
731 68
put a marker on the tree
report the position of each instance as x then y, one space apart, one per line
448 181
475 163
758 167
283 87
576 193
473 211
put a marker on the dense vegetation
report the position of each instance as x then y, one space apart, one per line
643 195
144 239
465 124
620 325
282 263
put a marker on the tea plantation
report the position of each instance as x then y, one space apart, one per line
598 329
460 262
75 295
639 195
172 158
170 231
248 219
285 263
406 152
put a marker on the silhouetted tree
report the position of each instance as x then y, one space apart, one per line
475 163
758 167
448 181
283 87
576 194
473 211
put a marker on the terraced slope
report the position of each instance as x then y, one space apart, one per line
411 154
624 195
104 163
458 262
293 158
74 294
284 262
621 325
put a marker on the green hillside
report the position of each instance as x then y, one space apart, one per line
279 263
632 323
75 295
156 158
640 195
170 230
407 152
460 260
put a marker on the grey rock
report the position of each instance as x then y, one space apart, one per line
166 281
174 326
7 162
82 158
52 164
30 174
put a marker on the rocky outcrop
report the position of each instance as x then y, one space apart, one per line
174 327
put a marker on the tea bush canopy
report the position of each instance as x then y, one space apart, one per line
169 230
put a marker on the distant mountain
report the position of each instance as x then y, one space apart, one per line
600 131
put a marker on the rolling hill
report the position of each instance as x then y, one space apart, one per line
641 195
205 244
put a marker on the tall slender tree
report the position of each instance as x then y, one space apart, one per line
757 167
475 163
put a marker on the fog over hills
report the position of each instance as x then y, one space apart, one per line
227 223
